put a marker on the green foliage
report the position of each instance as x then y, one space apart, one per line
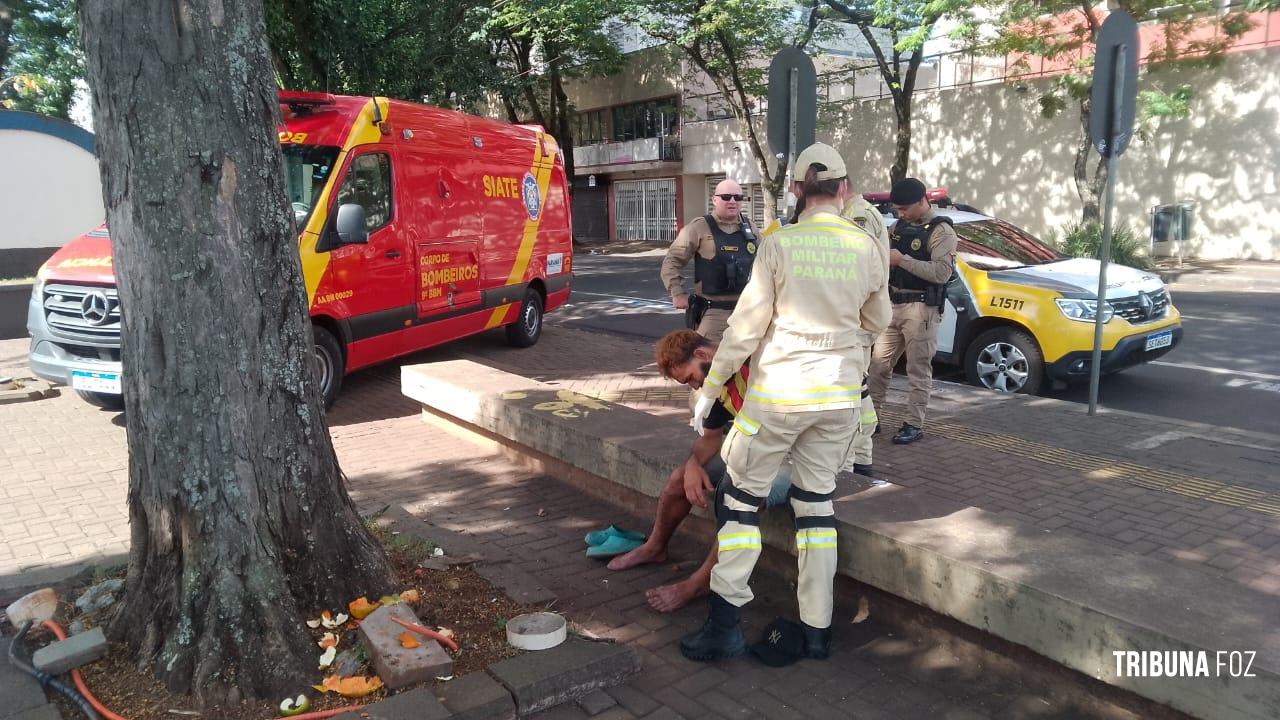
44 59
1085 240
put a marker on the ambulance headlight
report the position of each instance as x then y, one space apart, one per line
1084 310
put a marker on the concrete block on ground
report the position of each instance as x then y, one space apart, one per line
516 583
476 697
19 691
399 666
418 704
546 678
66 655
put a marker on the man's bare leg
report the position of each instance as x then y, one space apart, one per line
673 507
669 598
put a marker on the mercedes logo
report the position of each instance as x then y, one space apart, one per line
1147 304
95 308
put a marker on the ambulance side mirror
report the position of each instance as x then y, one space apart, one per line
351 224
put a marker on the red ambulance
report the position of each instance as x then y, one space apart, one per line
417 226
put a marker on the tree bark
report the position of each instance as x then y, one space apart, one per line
239 520
1088 188
6 29
563 121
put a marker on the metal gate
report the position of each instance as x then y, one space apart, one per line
645 209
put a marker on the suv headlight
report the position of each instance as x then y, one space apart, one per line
1084 310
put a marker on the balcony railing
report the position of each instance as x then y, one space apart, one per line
659 149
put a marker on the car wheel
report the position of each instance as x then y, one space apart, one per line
106 401
527 328
1006 360
329 364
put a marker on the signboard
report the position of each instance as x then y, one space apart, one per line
1115 85
793 102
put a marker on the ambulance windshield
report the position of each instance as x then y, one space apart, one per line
307 168
1002 244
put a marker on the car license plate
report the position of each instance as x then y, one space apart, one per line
1159 340
103 382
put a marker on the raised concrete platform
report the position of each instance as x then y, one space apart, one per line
1074 601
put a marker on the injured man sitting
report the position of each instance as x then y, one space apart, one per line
685 356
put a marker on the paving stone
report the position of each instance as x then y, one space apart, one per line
476 697
543 679
18 691
417 704
400 666
517 584
66 655
596 702
636 702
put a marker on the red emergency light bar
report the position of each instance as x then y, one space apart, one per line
933 194
294 97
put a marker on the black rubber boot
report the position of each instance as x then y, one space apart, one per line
866 470
721 635
817 642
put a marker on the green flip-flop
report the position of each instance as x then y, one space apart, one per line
599 537
616 545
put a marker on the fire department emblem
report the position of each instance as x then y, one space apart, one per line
915 244
529 192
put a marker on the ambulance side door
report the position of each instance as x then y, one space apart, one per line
446 218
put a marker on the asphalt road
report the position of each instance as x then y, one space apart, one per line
1225 371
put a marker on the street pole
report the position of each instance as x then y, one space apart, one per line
1095 365
787 178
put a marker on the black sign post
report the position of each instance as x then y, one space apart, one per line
793 106
1111 111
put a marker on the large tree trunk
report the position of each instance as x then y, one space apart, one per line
6 28
239 519
563 121
1089 188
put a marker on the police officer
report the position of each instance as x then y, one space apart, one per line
814 285
722 246
922 255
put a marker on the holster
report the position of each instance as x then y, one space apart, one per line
693 313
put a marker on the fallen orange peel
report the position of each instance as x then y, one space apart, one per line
353 686
407 640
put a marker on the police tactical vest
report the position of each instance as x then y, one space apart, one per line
728 272
913 240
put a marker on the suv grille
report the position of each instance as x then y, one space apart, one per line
88 314
1138 312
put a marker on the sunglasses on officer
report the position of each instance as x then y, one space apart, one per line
731 196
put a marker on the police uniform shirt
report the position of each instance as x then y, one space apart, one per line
694 238
942 254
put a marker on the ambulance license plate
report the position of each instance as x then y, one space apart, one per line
1159 340
103 382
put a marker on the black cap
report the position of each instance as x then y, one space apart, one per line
782 644
907 191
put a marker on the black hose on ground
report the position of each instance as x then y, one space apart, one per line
45 679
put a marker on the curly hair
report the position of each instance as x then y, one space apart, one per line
677 348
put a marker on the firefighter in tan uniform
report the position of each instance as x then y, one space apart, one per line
815 284
865 216
722 246
922 256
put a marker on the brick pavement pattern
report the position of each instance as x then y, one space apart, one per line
63 475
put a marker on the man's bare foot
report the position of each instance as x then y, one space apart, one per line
669 598
640 556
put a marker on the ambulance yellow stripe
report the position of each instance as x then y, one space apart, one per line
315 264
540 168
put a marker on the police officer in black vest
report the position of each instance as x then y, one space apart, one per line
922 257
722 246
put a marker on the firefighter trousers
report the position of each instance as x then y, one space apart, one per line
818 443
913 331
860 453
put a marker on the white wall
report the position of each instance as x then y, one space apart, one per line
49 190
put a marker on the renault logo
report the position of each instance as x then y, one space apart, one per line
1147 304
95 308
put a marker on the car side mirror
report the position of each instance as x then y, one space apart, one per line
351 224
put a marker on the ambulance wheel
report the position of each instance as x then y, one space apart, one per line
1005 360
328 364
106 401
527 328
